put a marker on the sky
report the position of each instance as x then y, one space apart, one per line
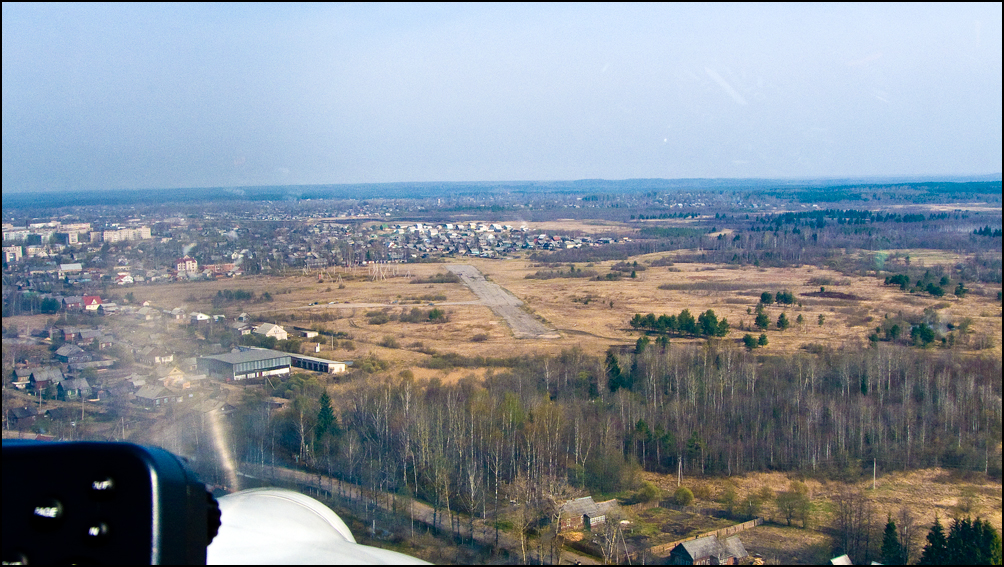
120 96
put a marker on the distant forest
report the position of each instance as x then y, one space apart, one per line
803 191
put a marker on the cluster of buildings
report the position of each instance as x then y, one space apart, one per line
475 239
85 366
45 239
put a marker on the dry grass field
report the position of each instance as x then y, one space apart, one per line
591 315
926 493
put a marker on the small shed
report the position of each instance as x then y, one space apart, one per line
585 513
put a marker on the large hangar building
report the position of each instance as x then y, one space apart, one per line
246 364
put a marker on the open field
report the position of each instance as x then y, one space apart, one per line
927 493
592 315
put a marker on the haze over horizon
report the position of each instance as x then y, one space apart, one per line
167 96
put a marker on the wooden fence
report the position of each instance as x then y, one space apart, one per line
664 549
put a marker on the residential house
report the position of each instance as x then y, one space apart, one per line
186 265
70 334
91 302
708 550
21 378
86 337
198 318
74 388
172 378
270 330
154 355
22 418
43 377
153 395
72 353
73 302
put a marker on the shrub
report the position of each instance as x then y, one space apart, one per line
683 496
447 277
648 492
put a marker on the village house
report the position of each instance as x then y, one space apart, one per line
21 378
153 395
72 353
74 388
198 318
708 550
270 330
22 418
154 355
43 377
91 302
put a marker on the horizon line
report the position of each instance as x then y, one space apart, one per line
988 177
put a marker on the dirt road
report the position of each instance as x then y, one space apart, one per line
503 303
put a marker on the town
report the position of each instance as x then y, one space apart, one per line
222 331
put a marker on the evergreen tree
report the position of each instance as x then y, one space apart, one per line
615 378
973 543
640 344
892 552
762 320
783 322
325 417
936 550
988 542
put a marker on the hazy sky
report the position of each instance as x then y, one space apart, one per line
150 96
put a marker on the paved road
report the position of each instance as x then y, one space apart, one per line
423 513
503 303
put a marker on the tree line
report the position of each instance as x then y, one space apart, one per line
706 324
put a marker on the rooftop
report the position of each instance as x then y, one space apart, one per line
250 355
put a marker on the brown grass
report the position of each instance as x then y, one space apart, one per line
595 326
927 493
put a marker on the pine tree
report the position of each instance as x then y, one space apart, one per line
325 417
973 543
936 550
892 552
783 322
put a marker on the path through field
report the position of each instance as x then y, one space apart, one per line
503 303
